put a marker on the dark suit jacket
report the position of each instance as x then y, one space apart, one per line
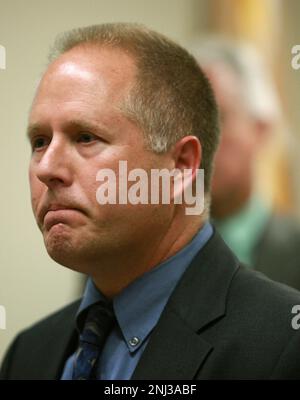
277 253
222 321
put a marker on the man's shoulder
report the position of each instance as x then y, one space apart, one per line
259 330
253 286
51 337
248 299
262 308
64 315
217 284
217 261
56 316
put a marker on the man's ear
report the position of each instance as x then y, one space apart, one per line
189 182
187 154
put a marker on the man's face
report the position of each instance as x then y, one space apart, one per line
76 129
239 139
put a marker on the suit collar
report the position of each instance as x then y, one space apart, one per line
200 297
176 349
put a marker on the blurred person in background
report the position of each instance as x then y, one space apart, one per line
249 112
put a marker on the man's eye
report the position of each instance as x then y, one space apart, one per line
38 143
86 138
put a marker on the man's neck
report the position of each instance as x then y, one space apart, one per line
117 272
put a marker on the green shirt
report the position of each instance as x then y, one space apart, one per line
242 231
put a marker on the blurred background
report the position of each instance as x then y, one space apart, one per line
31 284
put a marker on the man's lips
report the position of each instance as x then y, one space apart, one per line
62 215
57 213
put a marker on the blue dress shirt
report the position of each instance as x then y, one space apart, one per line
138 308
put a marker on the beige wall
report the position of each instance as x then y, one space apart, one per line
32 285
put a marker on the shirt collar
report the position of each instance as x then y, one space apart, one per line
139 306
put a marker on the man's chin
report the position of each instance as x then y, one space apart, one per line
61 246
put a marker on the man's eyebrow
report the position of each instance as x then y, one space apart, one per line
68 125
80 124
83 125
32 128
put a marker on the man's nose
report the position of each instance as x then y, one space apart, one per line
54 167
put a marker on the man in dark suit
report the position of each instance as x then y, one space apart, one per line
165 297
250 112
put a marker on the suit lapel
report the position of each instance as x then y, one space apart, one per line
177 354
176 349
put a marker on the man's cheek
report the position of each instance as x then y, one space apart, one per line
36 190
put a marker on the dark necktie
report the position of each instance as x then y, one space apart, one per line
96 327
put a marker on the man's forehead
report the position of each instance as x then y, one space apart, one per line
86 73
74 69
95 70
82 60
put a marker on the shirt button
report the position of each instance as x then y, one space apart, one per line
134 341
